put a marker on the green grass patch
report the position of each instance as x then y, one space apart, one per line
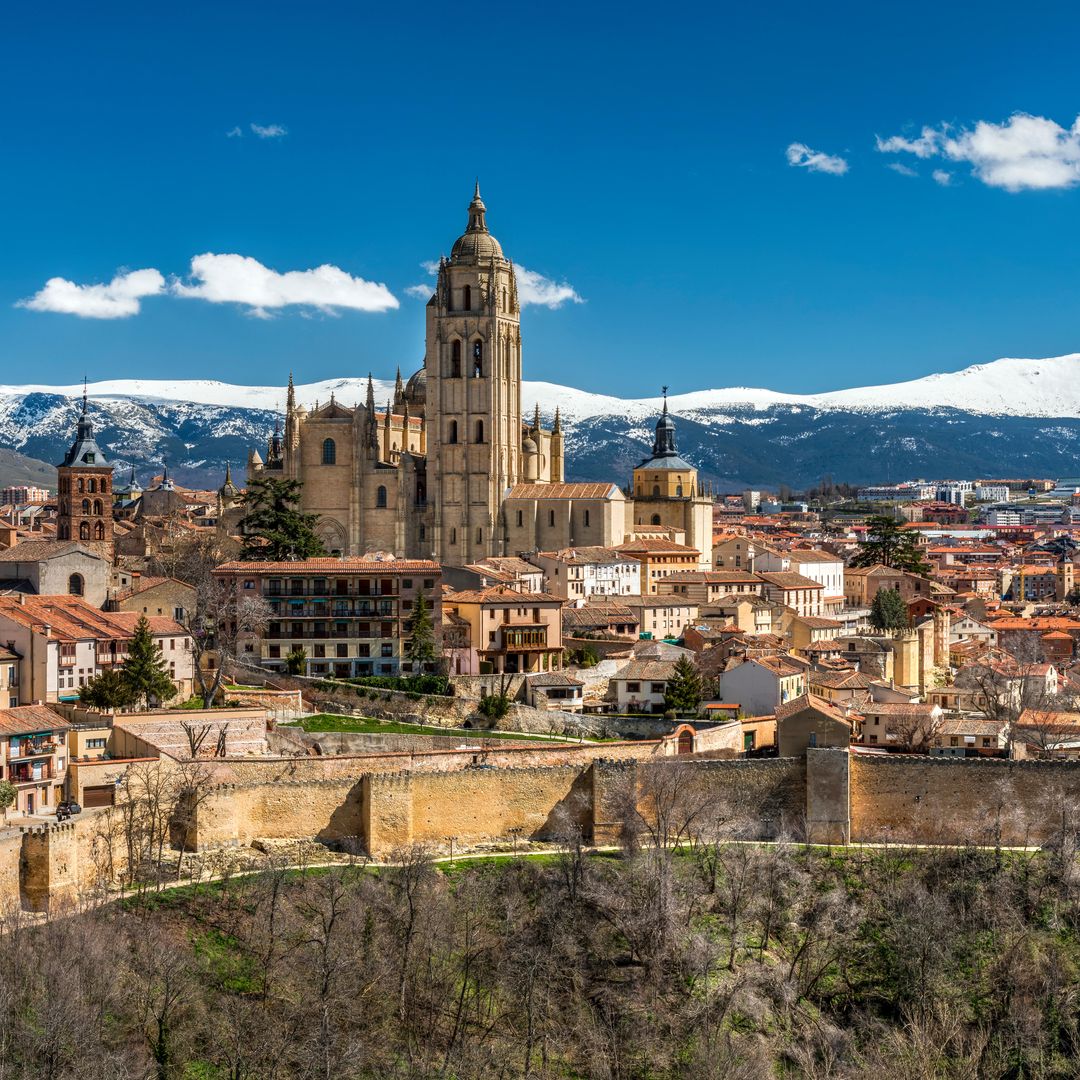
226 962
366 725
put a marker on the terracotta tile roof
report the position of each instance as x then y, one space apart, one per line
812 701
553 678
563 491
350 565
72 619
28 719
646 671
586 555
712 577
788 579
499 594
910 710
657 547
841 680
37 550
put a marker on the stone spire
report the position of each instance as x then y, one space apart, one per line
536 418
556 428
386 429
399 392
477 210
369 409
290 399
664 444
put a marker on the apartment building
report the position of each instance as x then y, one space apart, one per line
578 573
33 757
350 616
659 559
62 642
710 586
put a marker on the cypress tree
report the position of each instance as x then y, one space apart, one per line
144 670
420 648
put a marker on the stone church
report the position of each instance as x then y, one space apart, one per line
450 469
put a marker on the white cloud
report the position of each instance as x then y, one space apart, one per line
942 177
240 279
119 299
801 156
1025 153
534 288
926 145
234 133
270 131
902 169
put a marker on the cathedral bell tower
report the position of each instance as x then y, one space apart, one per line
473 407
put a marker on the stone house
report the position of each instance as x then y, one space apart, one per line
640 685
824 567
708 586
54 568
555 690
802 594
162 596
661 616
809 721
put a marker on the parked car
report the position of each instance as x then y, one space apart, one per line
68 808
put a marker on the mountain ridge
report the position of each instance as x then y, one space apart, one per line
1023 415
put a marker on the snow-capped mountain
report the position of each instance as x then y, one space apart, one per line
1010 416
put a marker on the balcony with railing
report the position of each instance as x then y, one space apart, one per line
23 749
26 774
524 638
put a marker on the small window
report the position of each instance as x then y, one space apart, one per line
451 436
91 485
329 452
551 518
380 497
84 530
520 518
86 506
97 508
477 358
466 298
453 536
656 519
586 519
455 360
656 491
75 585
479 431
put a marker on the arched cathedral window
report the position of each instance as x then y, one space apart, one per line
477 358
84 530
455 360
329 452
479 431
380 497
451 435
466 302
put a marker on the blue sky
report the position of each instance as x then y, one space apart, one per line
639 156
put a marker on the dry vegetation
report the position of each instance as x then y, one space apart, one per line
715 959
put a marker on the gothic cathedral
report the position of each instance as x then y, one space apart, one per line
426 476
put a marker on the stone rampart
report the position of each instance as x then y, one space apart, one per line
944 800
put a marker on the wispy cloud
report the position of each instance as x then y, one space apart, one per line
235 133
1025 153
430 265
922 147
240 279
422 291
801 156
534 288
901 168
942 177
270 131
118 299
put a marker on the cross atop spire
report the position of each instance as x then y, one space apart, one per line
84 395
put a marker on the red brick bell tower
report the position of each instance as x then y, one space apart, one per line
85 500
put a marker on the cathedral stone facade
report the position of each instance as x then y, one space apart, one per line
449 468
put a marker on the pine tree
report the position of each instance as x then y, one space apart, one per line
109 690
684 688
889 611
274 529
888 544
144 670
420 648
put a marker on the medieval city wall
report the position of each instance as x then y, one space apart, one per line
946 800
474 806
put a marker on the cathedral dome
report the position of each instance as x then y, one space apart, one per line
416 390
529 446
476 244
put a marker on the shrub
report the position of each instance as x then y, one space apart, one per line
494 706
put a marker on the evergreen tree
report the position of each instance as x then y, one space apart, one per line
890 545
684 689
109 690
273 527
420 648
145 671
889 611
